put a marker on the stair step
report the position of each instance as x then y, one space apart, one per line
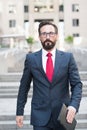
81 124
14 127
10 90
81 129
12 96
12 117
6 90
10 84
79 117
10 77
83 75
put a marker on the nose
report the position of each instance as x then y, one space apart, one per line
47 36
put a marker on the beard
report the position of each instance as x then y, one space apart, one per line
48 44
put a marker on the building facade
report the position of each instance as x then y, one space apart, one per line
11 16
14 14
21 17
75 22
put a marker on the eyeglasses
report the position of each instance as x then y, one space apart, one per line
44 34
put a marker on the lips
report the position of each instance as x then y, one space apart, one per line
48 43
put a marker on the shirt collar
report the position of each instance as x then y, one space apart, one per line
44 52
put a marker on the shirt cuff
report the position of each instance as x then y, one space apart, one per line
71 107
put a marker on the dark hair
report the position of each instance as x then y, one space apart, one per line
47 23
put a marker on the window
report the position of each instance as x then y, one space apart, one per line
12 23
76 35
43 6
12 8
26 8
75 7
75 22
61 8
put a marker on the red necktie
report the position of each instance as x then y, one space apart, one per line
49 67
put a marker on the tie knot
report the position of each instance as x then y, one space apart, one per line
49 54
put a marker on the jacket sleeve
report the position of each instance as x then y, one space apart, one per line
75 83
24 87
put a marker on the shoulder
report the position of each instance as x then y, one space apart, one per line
65 56
68 54
31 55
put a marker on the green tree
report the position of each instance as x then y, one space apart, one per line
69 39
30 41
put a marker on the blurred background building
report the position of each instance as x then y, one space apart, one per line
20 18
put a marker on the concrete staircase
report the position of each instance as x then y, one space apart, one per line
9 84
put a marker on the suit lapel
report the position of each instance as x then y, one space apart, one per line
38 60
58 62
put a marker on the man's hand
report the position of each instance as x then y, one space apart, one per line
70 114
19 121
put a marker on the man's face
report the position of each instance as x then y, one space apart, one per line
48 37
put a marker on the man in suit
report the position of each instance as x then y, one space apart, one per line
50 87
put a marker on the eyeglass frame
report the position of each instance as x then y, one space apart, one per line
51 34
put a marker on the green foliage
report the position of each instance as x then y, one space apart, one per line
30 40
69 39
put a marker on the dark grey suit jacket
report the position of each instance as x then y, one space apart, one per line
48 97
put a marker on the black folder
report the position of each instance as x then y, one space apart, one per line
63 121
